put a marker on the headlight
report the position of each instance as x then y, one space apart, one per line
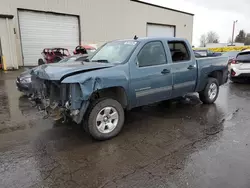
26 80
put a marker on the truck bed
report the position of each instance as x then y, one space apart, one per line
216 65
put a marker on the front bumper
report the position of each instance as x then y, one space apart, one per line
59 100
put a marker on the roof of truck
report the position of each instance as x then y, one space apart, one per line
153 38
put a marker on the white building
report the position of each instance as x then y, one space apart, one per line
28 26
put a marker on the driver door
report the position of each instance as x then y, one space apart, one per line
151 78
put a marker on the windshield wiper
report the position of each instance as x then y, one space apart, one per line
101 61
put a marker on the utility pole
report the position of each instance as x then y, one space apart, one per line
233 31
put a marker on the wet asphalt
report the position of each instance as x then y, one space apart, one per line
179 144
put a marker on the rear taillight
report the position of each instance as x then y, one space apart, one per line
233 73
234 62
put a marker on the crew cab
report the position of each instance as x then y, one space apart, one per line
125 74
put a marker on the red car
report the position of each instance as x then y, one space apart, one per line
53 55
85 49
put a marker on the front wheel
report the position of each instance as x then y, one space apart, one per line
211 91
105 119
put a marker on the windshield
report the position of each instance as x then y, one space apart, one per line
91 51
72 58
115 52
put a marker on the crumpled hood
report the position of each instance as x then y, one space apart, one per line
57 71
26 73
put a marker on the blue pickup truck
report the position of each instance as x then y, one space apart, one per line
125 74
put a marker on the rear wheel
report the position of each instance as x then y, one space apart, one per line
211 91
105 119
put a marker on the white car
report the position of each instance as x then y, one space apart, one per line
240 66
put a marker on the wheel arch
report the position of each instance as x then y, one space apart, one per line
118 93
217 74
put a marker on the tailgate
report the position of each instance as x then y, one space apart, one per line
244 65
209 62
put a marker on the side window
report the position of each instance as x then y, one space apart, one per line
152 54
179 51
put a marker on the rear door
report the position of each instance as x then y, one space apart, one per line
184 68
243 60
150 74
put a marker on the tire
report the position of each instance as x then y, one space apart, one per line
204 95
40 61
100 108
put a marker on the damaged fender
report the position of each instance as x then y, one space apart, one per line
91 82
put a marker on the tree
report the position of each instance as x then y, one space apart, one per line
216 41
247 40
203 40
241 37
212 37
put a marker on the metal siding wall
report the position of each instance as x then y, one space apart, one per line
154 30
104 20
40 30
8 43
183 22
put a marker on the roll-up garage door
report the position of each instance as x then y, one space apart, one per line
156 30
46 30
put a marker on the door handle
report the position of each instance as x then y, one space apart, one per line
165 71
191 67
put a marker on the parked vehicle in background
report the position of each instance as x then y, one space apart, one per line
23 81
85 49
125 74
53 55
240 67
197 55
207 53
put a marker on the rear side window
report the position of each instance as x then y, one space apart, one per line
244 57
152 54
179 51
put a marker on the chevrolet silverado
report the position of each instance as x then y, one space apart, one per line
125 74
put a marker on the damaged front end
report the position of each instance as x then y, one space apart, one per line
59 100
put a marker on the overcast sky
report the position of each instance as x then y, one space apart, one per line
215 15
